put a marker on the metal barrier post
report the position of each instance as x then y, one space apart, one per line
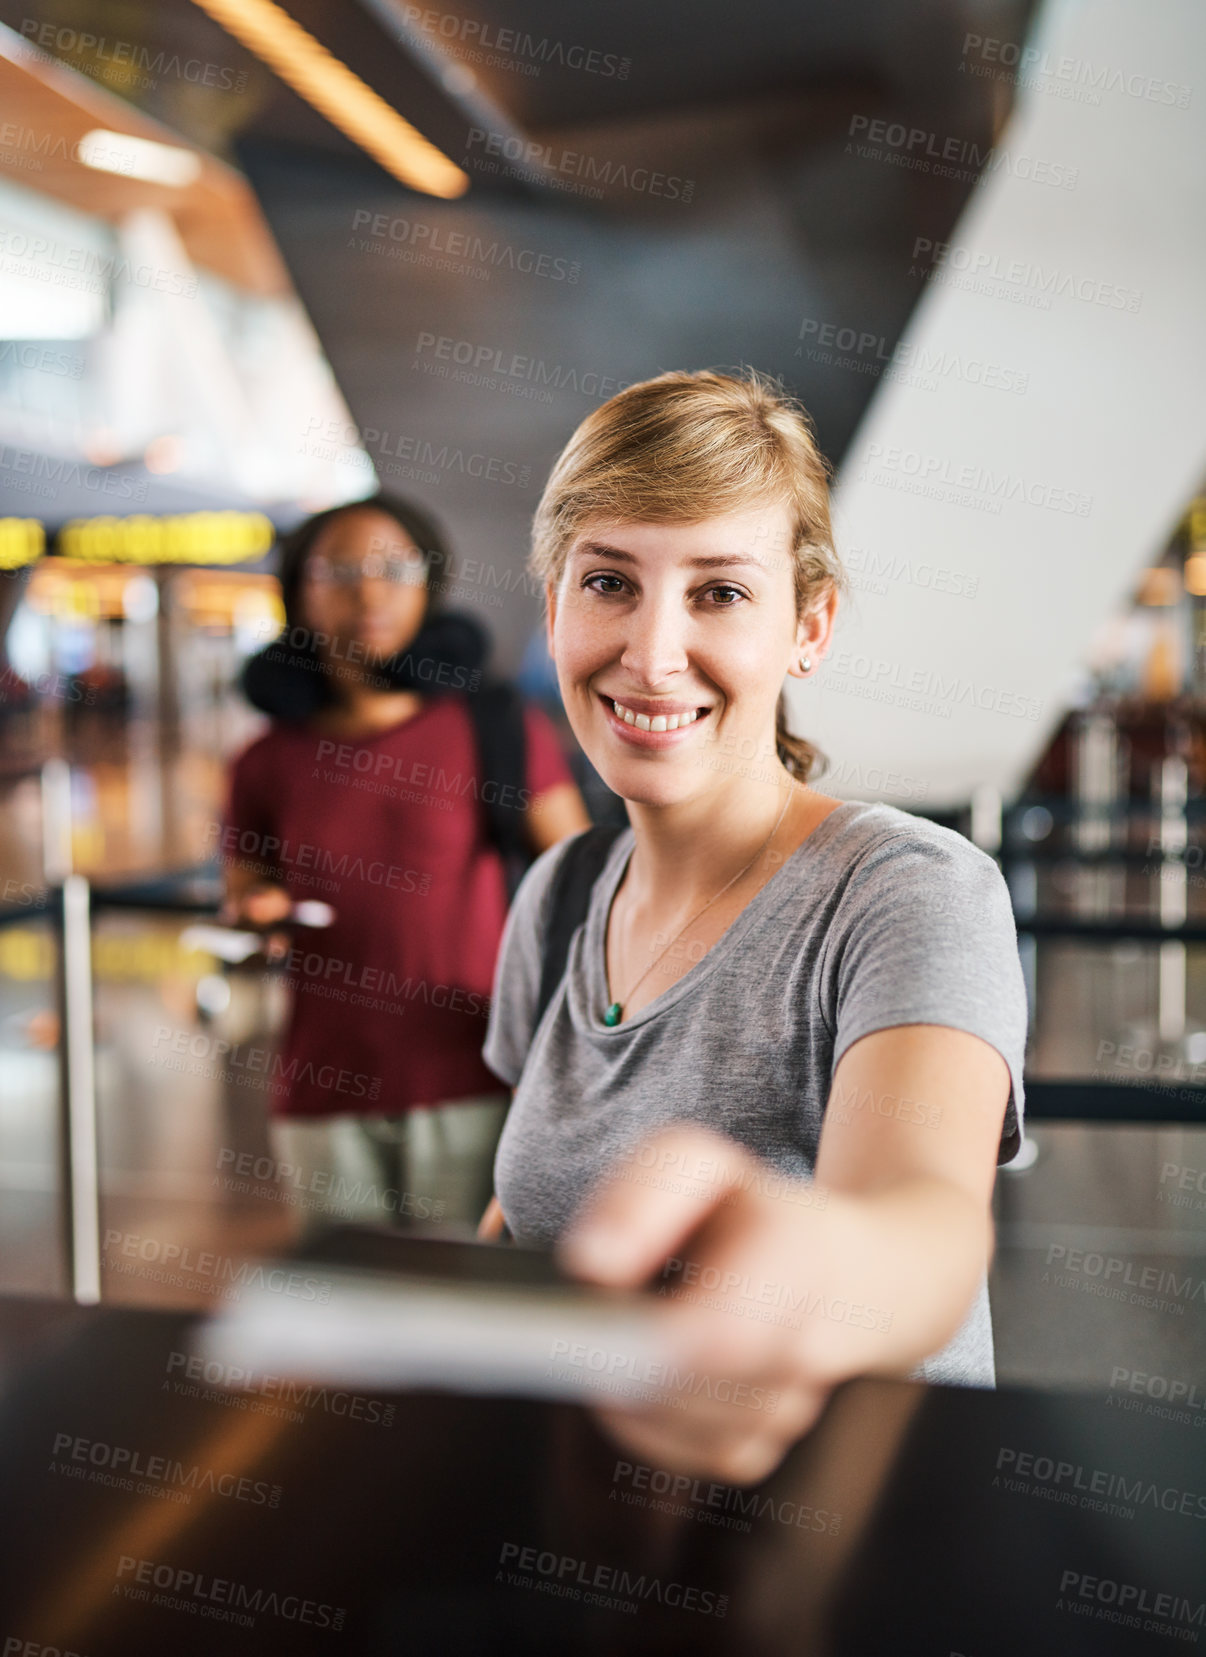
79 1170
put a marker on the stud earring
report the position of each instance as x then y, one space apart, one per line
805 664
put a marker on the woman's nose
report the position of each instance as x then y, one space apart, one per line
656 644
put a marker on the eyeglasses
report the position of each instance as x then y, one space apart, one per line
399 572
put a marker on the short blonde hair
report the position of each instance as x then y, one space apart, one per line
683 447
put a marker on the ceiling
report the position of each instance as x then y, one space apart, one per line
48 111
768 225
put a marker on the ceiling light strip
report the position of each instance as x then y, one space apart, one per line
341 96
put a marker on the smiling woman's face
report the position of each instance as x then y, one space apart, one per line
691 623
364 583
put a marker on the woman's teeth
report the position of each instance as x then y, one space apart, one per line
660 722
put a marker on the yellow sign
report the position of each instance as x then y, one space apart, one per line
21 541
148 956
1197 525
188 538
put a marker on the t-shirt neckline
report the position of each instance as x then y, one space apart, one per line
600 909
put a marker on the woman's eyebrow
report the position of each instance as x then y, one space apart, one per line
600 549
704 561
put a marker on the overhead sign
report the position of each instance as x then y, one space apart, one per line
183 538
22 540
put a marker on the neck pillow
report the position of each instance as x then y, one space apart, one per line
289 680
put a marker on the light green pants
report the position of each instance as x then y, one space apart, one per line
433 1165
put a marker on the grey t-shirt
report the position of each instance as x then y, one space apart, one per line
877 919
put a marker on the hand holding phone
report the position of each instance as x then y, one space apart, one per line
235 945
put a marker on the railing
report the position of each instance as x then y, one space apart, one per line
1118 1104
70 900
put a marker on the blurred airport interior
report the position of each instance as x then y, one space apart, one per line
257 262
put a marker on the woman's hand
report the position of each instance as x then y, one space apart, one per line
792 1286
492 1223
744 1247
261 906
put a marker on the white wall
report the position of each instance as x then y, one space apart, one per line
1112 419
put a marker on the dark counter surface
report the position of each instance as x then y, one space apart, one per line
147 1512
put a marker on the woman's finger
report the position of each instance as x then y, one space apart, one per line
743 1456
265 904
276 945
490 1226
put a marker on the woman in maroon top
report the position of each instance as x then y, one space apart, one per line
369 797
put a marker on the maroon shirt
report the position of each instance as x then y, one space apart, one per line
390 1003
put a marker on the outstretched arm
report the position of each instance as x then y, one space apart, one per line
554 815
868 1270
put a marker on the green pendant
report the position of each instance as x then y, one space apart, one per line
613 1014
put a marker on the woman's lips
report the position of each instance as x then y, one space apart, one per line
375 631
639 737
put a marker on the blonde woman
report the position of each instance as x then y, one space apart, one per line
786 1052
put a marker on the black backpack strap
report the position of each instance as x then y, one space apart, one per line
497 714
568 902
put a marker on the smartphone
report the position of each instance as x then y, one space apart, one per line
235 945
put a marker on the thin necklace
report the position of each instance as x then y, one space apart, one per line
615 1012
